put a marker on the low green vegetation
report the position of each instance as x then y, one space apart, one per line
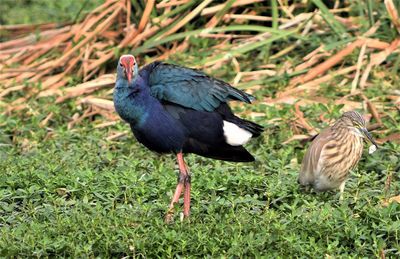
77 194
44 11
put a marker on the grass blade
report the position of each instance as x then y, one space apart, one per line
336 26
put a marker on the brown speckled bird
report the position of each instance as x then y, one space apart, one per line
335 151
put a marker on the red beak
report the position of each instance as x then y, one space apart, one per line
129 74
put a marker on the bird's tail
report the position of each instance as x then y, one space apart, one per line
252 127
222 151
228 153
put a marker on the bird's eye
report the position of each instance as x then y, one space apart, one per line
120 64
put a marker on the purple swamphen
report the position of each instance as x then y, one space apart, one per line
173 109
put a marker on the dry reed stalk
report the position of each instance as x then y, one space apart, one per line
301 120
46 120
104 25
323 67
129 36
7 74
50 81
117 135
377 44
394 137
33 60
223 36
311 62
296 20
216 18
359 64
16 30
187 18
165 4
394 16
216 8
253 17
307 101
305 31
372 109
150 32
377 59
350 23
92 21
128 14
314 52
132 39
105 124
106 4
89 112
312 85
85 62
31 39
296 137
87 87
374 112
285 9
11 89
146 15
98 102
335 59
253 75
7 60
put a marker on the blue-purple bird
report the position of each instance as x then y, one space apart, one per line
174 109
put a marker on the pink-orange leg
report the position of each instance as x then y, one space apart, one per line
186 195
183 181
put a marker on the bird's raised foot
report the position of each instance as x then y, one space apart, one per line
169 217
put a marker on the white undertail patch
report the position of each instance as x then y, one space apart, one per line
235 135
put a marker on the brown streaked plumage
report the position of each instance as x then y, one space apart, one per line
333 153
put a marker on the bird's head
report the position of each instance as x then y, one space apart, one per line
127 67
356 122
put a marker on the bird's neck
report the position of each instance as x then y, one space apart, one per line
340 129
132 100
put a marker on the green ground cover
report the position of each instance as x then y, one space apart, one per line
77 194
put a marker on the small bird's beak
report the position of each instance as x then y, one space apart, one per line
368 135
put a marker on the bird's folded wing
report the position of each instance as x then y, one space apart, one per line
190 88
313 155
